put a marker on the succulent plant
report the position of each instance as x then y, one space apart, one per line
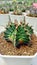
4 10
17 10
33 11
29 29
20 35
10 33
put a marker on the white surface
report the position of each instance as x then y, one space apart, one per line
16 17
32 21
34 62
4 19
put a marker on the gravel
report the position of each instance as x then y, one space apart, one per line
7 48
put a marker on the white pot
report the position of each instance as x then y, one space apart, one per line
24 13
32 21
16 17
4 19
16 60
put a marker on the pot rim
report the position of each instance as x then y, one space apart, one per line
14 56
11 13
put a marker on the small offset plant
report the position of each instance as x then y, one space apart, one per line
18 34
33 12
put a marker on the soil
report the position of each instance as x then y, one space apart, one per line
31 15
7 48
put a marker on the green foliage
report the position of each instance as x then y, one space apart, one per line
9 34
29 29
21 35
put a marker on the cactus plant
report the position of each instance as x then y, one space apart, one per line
17 11
19 35
22 37
4 10
33 12
10 33
29 29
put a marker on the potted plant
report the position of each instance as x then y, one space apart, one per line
16 14
31 17
4 16
12 32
